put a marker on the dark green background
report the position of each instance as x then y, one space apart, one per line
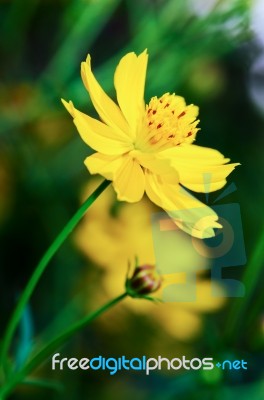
41 157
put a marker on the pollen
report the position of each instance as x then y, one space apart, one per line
169 122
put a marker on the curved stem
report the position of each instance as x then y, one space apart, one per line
63 337
54 344
40 268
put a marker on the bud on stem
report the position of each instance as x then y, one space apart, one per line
145 280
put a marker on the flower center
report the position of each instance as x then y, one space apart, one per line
168 122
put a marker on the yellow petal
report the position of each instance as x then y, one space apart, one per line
188 213
129 81
105 165
109 112
130 182
97 135
200 168
156 165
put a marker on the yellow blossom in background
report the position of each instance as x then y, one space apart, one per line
111 240
149 148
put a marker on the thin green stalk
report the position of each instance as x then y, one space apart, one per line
40 268
251 278
53 345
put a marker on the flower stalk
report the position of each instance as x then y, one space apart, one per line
40 268
143 282
53 345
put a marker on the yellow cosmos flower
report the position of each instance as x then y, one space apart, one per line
149 148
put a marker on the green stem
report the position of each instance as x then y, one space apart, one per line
40 268
53 345
251 278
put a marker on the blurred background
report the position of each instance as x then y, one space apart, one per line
210 52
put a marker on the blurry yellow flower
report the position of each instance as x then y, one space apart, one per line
149 148
110 241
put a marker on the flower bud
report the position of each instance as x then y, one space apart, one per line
145 280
